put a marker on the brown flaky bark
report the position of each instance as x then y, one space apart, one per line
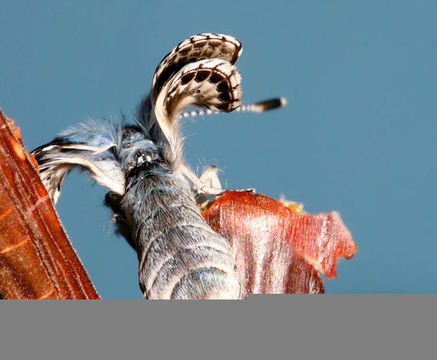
37 260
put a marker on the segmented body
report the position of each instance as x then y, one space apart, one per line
152 191
180 256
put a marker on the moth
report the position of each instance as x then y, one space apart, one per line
152 191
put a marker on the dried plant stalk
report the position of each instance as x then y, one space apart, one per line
37 260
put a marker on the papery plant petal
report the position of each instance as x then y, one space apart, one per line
275 247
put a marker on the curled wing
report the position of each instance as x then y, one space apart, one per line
91 147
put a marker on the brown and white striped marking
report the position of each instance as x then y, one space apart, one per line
195 48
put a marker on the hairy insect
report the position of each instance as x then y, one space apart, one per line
152 191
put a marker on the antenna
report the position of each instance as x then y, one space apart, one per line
255 107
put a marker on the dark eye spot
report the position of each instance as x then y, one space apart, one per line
223 86
202 75
215 78
187 78
225 96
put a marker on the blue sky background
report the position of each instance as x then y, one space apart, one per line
358 135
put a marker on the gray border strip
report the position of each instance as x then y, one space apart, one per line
262 327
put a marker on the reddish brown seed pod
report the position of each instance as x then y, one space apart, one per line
37 260
277 249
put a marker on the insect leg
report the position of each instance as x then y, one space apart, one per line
201 187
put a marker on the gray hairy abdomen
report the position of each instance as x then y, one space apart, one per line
180 256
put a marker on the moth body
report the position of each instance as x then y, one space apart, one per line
153 193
